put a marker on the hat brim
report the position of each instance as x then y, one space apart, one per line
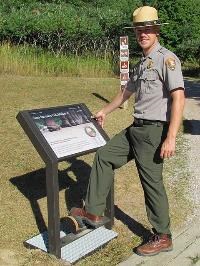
147 25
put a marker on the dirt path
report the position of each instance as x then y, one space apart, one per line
192 134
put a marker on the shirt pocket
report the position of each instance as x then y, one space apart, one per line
152 80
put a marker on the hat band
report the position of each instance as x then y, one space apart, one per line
147 23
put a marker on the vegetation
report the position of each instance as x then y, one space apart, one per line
24 60
82 26
195 259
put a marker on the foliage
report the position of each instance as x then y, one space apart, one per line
81 26
72 26
182 33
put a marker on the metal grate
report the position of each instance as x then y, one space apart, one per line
78 248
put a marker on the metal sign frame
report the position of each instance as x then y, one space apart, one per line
51 161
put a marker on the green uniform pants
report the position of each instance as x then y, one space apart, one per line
143 145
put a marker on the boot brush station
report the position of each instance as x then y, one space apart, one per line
59 133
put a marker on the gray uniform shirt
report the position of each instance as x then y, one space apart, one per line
153 78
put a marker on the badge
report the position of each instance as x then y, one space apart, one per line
171 63
149 64
90 131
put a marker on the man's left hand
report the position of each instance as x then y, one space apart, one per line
168 148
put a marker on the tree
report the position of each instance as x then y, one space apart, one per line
184 25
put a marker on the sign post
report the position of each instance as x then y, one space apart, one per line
124 64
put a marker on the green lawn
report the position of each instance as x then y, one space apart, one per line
23 211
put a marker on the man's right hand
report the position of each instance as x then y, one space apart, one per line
100 117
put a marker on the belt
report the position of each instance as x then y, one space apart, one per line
140 122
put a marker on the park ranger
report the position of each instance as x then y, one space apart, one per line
158 87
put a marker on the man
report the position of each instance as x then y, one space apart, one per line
157 83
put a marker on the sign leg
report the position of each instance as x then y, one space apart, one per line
53 209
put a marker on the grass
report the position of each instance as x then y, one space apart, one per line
24 60
23 211
195 259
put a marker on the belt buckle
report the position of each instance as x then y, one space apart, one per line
139 122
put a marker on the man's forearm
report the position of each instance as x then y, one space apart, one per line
120 98
169 144
178 101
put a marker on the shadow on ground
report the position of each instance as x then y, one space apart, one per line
192 89
134 226
97 95
33 186
191 127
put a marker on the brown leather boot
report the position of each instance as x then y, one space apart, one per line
88 218
156 244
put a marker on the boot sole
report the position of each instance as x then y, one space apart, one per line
86 221
155 253
104 220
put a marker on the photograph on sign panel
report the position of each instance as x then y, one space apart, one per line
68 130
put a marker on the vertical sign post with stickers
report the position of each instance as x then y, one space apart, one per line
124 64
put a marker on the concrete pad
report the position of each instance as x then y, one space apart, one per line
186 244
188 255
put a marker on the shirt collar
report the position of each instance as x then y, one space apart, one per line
153 52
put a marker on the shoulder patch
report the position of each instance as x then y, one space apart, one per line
171 63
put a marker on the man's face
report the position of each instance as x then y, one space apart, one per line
146 37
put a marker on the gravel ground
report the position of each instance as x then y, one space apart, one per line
192 134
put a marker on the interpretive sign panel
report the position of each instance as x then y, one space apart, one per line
58 133
68 130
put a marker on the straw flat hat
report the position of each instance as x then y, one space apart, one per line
146 16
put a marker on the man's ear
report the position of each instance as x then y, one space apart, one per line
157 31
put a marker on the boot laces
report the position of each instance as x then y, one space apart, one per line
154 238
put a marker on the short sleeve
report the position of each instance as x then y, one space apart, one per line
130 85
173 76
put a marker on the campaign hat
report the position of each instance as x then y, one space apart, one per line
146 16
